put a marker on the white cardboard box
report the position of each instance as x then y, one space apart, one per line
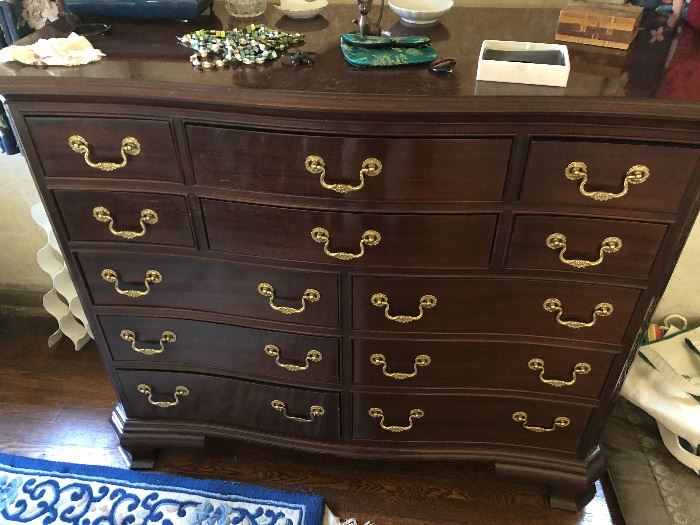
523 72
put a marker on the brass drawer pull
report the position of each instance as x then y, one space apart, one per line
557 241
312 356
380 300
579 171
152 277
310 295
314 412
380 360
316 165
130 146
415 413
579 369
166 337
102 214
322 236
554 305
559 422
180 391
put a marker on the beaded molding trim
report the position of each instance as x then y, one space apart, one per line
253 44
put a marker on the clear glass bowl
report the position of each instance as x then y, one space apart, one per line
245 8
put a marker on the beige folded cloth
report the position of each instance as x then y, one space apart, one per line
73 50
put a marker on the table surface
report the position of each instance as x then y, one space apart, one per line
147 54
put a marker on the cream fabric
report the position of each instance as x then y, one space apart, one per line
73 50
665 391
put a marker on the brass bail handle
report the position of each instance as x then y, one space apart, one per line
415 413
322 236
310 296
554 305
166 337
152 277
130 146
559 422
380 300
314 412
637 174
180 391
148 217
312 356
380 360
557 241
317 166
579 369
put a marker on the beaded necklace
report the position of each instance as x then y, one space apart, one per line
253 44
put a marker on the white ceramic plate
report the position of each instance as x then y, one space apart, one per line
301 9
420 11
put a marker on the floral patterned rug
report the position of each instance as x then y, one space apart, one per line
652 487
46 492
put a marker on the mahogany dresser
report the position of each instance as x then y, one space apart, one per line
382 264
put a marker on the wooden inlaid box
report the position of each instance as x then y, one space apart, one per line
598 24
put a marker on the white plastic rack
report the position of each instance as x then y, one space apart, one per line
62 300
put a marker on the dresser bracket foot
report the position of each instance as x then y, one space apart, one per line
561 498
139 439
570 483
137 458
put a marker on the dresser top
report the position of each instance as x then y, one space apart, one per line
145 60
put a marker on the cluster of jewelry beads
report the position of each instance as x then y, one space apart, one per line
253 44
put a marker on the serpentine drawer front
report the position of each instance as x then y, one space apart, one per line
584 245
480 364
494 306
451 418
281 356
212 286
608 175
433 241
119 148
232 402
372 264
125 217
408 169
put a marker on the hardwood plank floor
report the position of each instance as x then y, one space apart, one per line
55 404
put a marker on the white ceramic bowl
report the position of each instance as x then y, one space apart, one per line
420 11
301 8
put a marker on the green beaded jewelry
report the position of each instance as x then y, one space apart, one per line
253 44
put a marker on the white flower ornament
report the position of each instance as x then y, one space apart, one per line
38 12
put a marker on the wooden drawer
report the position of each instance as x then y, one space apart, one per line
232 402
215 286
607 166
233 349
129 214
493 306
412 169
479 364
456 418
530 245
157 159
416 241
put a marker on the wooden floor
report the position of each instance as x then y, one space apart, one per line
55 404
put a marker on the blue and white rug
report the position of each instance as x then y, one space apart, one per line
45 492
